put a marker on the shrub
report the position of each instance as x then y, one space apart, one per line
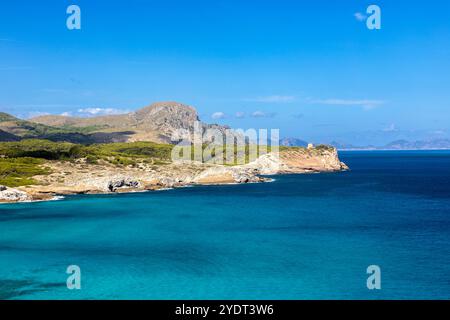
91 159
19 172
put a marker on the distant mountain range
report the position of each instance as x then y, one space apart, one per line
157 122
432 144
438 144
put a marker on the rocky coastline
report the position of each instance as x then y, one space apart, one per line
83 178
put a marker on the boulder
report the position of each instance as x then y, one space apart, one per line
167 182
13 195
122 183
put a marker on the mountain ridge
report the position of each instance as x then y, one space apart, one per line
158 122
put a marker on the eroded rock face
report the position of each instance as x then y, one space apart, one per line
168 182
13 195
122 183
80 178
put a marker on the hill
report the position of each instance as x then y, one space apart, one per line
6 136
156 123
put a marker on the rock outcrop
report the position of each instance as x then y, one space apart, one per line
13 195
82 178
122 183
160 122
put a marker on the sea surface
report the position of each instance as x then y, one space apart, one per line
300 237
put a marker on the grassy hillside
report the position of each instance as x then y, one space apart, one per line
21 160
12 128
19 171
50 150
6 117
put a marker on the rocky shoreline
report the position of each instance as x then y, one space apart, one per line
82 178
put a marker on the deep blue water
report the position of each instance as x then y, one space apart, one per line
300 237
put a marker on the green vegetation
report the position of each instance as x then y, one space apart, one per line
132 149
20 161
324 147
32 130
49 150
6 117
35 148
82 130
91 159
36 129
18 172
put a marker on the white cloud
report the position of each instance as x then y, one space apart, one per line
66 114
272 99
262 114
218 115
366 104
359 16
102 111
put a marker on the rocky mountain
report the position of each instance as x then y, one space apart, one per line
157 122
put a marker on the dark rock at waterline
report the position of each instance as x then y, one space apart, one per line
114 185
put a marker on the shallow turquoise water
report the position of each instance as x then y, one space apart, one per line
300 237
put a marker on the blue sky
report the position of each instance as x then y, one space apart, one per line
310 68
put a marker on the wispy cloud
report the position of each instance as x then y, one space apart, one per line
360 16
14 68
101 111
33 107
240 115
54 91
390 128
218 115
7 40
262 114
272 99
366 104
34 114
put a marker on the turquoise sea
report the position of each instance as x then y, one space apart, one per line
300 237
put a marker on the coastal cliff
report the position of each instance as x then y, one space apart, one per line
81 177
52 155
